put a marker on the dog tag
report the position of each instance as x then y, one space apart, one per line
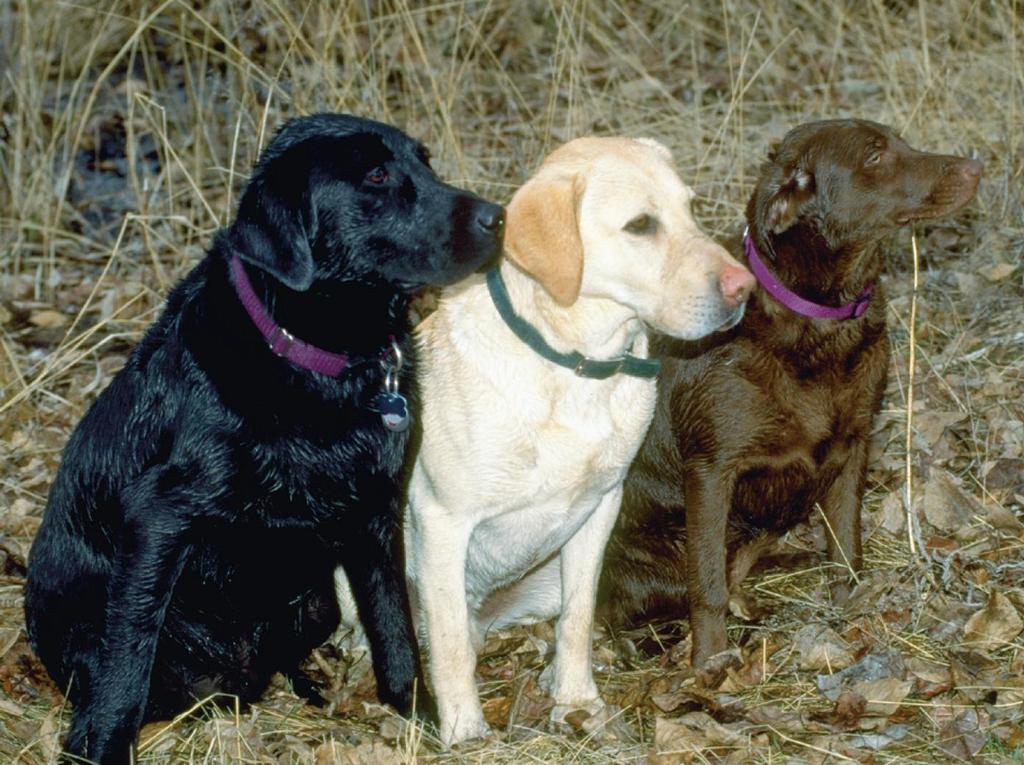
394 411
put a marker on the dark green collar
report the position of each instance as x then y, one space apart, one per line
595 369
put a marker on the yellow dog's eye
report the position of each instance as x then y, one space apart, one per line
642 224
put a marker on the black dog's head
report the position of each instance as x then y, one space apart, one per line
340 198
855 181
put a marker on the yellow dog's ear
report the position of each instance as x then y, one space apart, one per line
542 234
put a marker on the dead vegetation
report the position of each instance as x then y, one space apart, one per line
126 130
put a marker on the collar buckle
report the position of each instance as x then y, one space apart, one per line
281 341
599 369
860 305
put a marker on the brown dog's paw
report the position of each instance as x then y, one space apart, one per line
840 589
711 673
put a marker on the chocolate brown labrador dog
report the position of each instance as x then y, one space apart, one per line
756 427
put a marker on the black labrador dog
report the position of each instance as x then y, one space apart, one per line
255 440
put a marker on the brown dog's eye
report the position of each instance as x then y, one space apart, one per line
873 158
642 224
377 176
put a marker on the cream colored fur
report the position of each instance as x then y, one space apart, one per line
522 461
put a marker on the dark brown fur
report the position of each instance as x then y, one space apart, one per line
755 427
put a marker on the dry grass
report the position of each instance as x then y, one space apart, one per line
126 130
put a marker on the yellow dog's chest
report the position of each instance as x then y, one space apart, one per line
592 427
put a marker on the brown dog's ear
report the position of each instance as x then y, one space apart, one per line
542 235
786 204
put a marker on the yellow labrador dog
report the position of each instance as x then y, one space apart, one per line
536 396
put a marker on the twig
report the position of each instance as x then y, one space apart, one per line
835 540
910 404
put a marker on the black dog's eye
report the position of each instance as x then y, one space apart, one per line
377 176
642 224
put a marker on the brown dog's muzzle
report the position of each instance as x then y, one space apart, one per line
955 185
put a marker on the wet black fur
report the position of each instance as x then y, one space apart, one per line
205 499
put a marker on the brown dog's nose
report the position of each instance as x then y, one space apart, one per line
971 168
736 283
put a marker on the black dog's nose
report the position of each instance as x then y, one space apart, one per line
491 218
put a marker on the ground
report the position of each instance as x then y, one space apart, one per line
127 130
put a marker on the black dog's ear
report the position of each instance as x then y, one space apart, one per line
786 204
275 226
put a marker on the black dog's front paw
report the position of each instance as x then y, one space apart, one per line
425 708
415 705
307 688
84 745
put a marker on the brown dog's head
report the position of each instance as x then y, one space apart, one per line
855 181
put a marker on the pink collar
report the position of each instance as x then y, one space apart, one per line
278 338
794 302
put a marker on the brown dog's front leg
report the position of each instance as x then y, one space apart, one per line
842 511
708 500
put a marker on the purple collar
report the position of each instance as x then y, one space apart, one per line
794 302
278 338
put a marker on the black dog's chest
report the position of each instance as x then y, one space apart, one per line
307 482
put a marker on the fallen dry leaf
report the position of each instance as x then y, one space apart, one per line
673 736
880 740
49 735
497 710
849 708
236 741
48 318
864 600
997 271
962 735
930 679
778 718
887 664
1011 693
883 695
697 731
1003 519
1005 473
666 694
366 753
944 504
995 625
819 647
892 515
943 238
931 425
